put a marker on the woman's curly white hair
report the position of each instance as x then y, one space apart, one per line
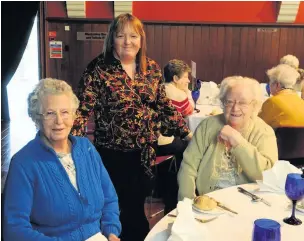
230 82
290 60
46 87
283 74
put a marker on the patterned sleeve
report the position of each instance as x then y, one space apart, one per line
87 94
172 122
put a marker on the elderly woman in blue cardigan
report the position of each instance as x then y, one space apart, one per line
57 186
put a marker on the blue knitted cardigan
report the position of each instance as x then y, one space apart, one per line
41 204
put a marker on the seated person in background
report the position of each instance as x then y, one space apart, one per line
293 61
300 83
176 74
232 148
57 187
285 108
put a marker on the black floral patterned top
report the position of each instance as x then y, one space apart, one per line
129 114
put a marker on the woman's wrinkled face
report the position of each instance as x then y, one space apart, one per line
57 119
127 43
182 82
238 106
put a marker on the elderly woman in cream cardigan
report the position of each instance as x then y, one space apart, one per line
231 148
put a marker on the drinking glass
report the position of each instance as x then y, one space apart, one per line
268 89
294 190
198 84
195 95
266 230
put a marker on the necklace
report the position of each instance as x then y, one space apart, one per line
227 152
67 162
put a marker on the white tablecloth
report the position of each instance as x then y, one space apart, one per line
230 227
205 110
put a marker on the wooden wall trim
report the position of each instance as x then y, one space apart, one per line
225 24
99 20
42 41
78 20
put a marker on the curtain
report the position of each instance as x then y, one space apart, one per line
17 19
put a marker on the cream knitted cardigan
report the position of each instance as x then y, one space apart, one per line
257 152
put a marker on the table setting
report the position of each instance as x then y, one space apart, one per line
205 111
271 207
206 103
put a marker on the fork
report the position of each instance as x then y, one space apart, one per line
197 219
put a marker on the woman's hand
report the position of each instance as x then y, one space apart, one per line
113 237
229 136
189 137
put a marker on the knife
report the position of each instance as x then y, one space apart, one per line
254 197
226 208
198 219
219 204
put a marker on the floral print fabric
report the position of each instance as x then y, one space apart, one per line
129 114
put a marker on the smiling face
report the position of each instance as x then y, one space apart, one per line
238 106
127 43
182 82
57 129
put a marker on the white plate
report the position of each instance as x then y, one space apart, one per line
215 211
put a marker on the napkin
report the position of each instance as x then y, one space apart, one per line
208 94
274 179
185 227
97 237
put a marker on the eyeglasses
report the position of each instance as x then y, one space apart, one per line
242 104
52 115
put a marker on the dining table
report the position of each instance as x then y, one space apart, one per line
205 110
238 227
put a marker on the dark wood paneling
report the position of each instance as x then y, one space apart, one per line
76 54
165 45
244 35
218 50
258 56
158 46
227 54
203 60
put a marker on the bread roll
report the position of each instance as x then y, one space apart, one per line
205 203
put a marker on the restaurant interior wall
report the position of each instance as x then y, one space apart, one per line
209 11
220 49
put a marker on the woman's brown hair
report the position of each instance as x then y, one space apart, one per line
116 26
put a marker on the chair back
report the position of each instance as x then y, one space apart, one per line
161 159
290 142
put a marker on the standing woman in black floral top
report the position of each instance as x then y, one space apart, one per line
124 90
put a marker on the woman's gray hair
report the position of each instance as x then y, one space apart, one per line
290 60
46 87
252 84
284 74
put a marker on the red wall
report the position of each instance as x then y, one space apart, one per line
252 12
300 16
56 9
100 9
